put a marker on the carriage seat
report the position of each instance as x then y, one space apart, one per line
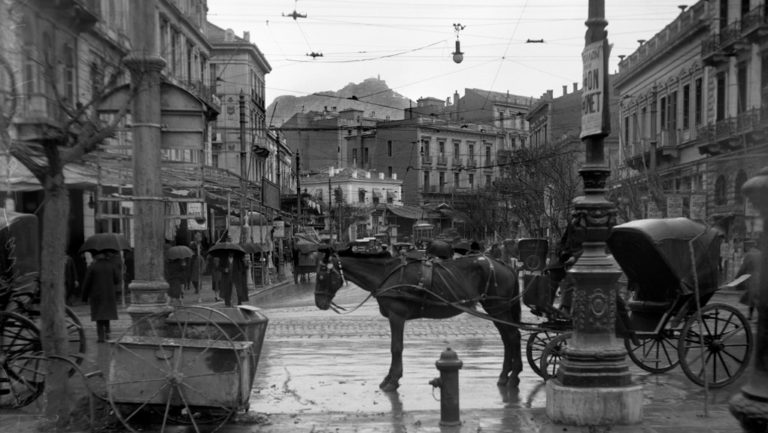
640 306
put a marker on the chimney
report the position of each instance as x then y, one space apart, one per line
565 90
575 87
229 35
247 36
394 176
549 94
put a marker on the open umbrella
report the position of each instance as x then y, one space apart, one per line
254 248
225 247
105 241
179 252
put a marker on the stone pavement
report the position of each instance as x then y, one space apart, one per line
299 333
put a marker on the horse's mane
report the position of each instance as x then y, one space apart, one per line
353 254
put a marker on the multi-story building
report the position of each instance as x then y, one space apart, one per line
693 115
366 192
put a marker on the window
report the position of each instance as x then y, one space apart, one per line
441 148
741 87
686 106
471 179
96 75
213 72
697 101
663 107
626 131
365 155
389 172
487 155
441 180
471 149
456 153
354 156
68 78
456 180
720 107
425 148
389 148
672 112
741 177
426 181
29 79
720 197
361 195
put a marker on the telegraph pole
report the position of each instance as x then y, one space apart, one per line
298 190
243 168
330 203
594 385
149 288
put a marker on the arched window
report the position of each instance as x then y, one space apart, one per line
741 177
720 198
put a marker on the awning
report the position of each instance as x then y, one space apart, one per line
409 212
377 193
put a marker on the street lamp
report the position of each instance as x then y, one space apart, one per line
458 56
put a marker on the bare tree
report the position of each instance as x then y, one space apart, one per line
80 132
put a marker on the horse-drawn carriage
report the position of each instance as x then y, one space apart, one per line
672 267
23 366
671 264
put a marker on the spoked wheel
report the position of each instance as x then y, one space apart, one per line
537 341
552 354
717 348
186 371
22 364
656 354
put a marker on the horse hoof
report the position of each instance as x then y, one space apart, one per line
389 386
513 382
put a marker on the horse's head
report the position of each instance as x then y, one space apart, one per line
329 280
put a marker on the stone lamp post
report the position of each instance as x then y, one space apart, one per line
750 406
594 385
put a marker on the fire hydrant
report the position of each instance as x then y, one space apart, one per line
448 382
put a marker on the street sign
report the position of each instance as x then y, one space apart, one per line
594 95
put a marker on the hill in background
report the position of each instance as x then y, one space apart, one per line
373 97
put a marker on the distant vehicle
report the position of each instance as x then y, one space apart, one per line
366 245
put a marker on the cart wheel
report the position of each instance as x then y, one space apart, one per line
553 352
22 364
719 345
169 386
537 341
657 354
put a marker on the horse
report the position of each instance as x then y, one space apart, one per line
405 288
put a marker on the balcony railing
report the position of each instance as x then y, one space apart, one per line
442 160
731 39
727 133
755 23
711 51
426 161
471 162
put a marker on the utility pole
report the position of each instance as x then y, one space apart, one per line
149 288
594 385
243 168
298 190
330 203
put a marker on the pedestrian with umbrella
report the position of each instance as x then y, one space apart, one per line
100 291
232 271
177 271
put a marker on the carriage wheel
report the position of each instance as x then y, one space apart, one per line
552 354
656 354
22 364
537 342
26 304
722 350
167 388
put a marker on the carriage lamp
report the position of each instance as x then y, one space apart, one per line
448 382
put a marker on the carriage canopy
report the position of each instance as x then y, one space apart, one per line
655 254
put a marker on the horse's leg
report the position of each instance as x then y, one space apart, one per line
506 366
392 381
510 336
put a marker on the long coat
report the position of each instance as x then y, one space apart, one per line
751 265
99 289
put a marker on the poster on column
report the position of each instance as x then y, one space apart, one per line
653 210
698 207
674 206
594 119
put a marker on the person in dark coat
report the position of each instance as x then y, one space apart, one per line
71 280
233 275
100 287
750 265
176 273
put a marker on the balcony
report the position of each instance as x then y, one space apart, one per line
711 52
754 25
36 112
471 163
442 160
731 40
426 161
746 129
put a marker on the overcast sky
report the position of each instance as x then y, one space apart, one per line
408 43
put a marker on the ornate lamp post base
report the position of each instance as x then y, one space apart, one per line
594 406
